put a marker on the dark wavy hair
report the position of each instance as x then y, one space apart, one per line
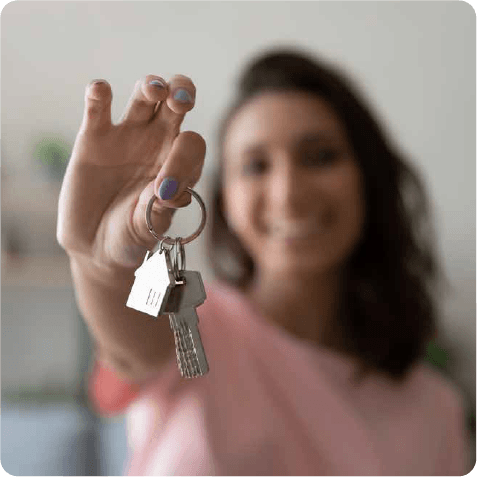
392 281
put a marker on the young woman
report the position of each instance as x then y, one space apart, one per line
324 304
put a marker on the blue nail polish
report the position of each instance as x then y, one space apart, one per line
158 83
168 188
183 96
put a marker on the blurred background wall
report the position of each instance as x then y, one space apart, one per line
414 61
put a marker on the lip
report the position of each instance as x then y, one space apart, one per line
291 228
295 241
298 231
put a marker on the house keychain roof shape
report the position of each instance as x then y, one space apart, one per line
153 283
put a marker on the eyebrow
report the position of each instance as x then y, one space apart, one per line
306 138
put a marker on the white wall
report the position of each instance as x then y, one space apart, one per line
415 61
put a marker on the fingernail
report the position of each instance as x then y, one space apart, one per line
183 96
158 83
168 188
99 81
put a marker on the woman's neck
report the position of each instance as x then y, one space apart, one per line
304 305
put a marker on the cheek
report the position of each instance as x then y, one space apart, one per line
237 203
346 186
353 207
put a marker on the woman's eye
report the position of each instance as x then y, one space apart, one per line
255 166
323 156
320 157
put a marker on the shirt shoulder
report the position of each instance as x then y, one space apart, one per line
434 382
451 407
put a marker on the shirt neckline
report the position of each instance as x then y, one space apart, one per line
315 351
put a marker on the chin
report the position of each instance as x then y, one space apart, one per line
305 263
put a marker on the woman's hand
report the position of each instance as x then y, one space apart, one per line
115 169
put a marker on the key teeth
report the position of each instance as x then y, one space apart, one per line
186 353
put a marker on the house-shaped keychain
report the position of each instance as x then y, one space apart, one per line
153 283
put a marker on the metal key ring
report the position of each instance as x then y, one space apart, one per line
167 239
178 252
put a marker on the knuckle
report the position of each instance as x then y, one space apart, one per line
67 244
60 238
69 241
93 109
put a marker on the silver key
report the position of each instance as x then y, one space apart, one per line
153 283
181 307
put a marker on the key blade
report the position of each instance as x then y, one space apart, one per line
190 352
199 350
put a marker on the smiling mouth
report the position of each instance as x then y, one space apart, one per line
295 236
295 239
294 231
289 232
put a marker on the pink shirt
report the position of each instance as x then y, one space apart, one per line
273 404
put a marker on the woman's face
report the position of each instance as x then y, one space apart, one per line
293 191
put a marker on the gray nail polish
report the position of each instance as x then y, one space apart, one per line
157 83
168 188
183 96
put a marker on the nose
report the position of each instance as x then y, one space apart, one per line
289 189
